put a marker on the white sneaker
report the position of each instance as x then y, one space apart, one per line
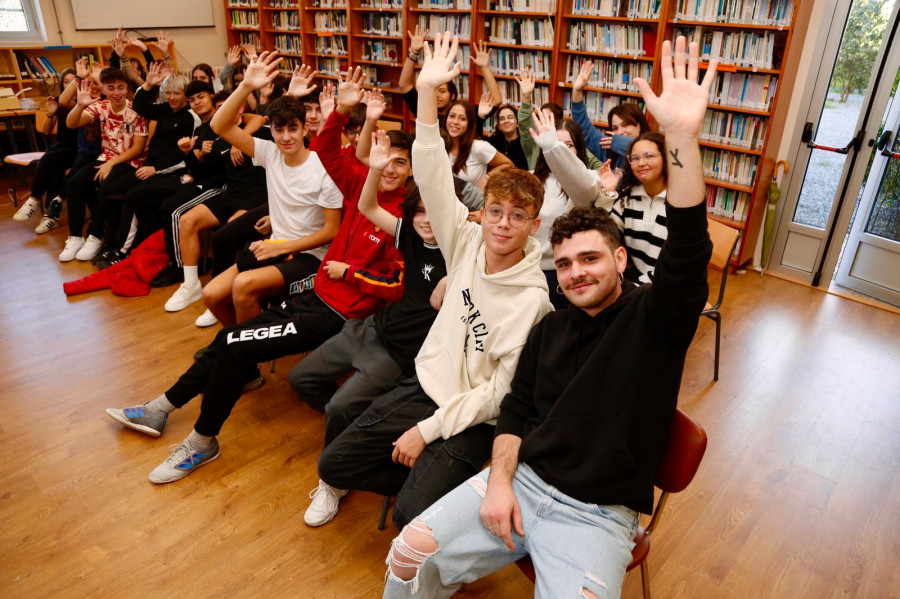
186 295
182 462
324 504
46 225
73 244
206 319
89 249
26 210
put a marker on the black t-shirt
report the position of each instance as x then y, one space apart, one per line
64 135
511 149
216 169
403 326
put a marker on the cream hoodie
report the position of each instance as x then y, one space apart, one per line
469 357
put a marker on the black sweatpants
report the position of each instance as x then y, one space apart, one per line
50 175
233 236
300 324
83 192
360 458
143 201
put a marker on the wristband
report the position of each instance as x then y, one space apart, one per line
413 56
346 270
609 195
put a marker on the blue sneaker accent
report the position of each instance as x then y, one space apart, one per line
182 462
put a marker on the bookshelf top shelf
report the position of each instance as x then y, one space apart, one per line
616 19
731 25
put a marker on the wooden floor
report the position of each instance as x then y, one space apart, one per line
797 497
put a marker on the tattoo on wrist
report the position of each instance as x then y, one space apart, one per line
675 161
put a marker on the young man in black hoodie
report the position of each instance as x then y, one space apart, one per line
587 418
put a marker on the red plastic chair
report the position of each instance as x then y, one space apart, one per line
676 470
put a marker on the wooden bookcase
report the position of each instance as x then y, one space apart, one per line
60 58
623 37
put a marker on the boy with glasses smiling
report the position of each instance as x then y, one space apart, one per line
434 430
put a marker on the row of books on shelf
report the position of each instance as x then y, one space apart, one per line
597 104
382 24
751 49
377 4
610 74
250 38
35 67
444 4
604 38
741 130
283 3
330 22
331 66
286 43
744 90
727 203
460 25
513 95
730 167
632 9
285 20
545 6
242 4
776 13
244 18
509 62
330 3
526 32
331 44
288 64
380 51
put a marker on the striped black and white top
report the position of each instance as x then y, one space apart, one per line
642 220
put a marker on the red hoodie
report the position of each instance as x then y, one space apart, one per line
375 276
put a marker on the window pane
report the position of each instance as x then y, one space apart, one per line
12 16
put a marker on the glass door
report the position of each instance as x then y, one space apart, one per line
836 138
871 258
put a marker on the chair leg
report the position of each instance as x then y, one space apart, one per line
718 320
385 507
272 367
645 579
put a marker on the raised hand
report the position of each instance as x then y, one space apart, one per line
544 122
609 178
96 67
302 81
526 83
326 100
261 71
82 70
163 41
156 73
52 106
486 105
441 65
374 104
417 39
85 98
481 55
680 107
249 50
349 90
118 45
133 41
380 152
234 56
584 75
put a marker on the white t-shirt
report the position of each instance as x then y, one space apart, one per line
297 194
477 165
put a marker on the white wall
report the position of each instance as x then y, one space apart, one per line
194 44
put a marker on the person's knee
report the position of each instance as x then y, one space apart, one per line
410 550
187 223
244 288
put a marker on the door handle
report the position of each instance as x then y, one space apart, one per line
884 143
852 144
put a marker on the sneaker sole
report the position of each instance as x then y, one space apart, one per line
132 425
329 519
183 472
180 308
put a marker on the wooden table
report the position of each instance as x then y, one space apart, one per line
27 117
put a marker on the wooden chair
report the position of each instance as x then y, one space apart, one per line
18 163
676 470
724 240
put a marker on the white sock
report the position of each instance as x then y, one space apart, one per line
160 404
191 275
198 442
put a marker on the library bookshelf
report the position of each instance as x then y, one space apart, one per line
752 40
37 68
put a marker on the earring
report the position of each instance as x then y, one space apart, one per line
559 290
621 278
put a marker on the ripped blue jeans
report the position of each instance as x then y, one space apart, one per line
574 545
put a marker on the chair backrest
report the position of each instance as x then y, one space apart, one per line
724 240
680 461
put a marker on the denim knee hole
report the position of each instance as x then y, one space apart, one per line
404 561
